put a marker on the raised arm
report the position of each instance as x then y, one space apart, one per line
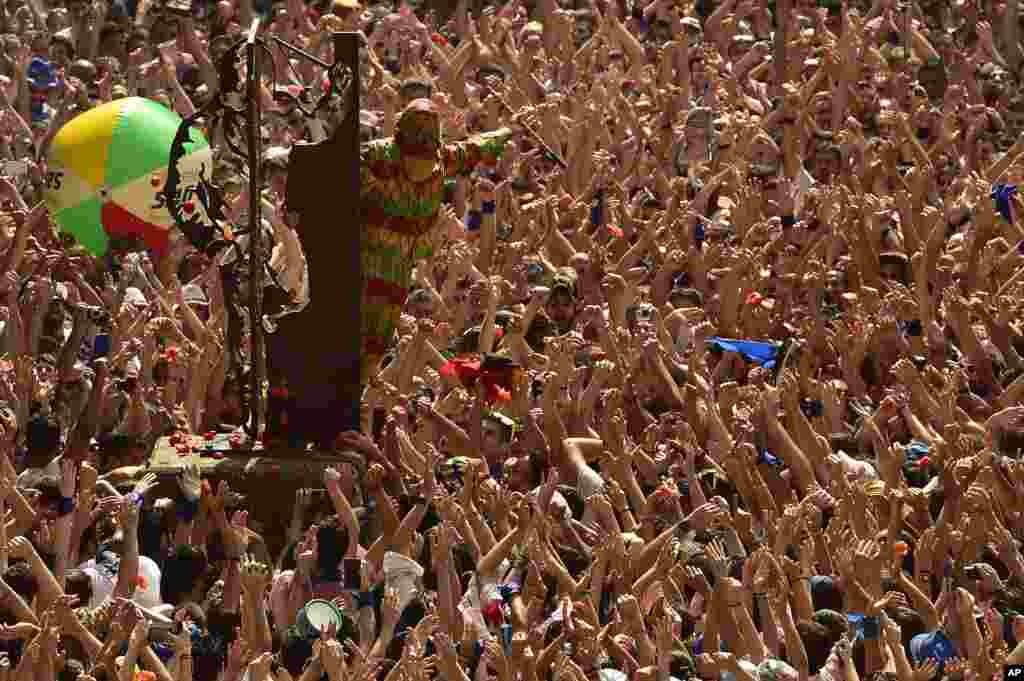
460 158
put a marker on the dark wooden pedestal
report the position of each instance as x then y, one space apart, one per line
317 350
268 478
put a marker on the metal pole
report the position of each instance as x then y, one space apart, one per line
256 258
557 158
782 9
302 53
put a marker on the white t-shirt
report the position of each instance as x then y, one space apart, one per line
31 476
147 588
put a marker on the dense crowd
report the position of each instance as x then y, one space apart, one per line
714 374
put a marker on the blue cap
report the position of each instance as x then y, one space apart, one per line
916 449
933 646
41 74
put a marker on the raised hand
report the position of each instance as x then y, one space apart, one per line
217 501
128 515
146 483
140 632
389 611
182 642
255 577
374 477
332 658
307 552
236 537
706 516
68 478
332 478
190 482
259 667
494 655
718 559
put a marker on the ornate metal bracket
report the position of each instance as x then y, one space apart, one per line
235 111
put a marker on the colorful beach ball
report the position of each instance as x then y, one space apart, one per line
106 171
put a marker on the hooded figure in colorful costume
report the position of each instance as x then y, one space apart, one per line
401 189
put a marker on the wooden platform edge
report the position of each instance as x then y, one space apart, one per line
287 462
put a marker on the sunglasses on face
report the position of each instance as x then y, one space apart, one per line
412 93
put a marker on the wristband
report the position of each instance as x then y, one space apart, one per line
473 220
788 221
767 458
186 509
65 506
366 599
489 207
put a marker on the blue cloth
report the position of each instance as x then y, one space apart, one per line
916 449
932 646
698 645
759 352
509 591
41 74
163 651
1002 193
859 622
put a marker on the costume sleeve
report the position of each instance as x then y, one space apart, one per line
376 162
460 158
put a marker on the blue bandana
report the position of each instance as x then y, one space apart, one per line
1002 194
